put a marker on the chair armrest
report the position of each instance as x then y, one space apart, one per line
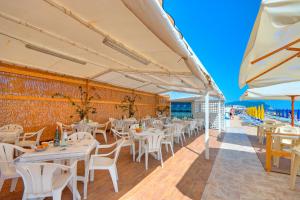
27 135
106 146
104 154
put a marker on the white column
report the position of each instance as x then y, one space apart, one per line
220 117
206 136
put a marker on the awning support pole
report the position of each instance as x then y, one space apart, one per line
220 117
206 136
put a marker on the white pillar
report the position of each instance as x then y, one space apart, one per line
206 136
220 117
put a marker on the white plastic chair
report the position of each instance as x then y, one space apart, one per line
102 131
281 142
295 166
179 132
7 167
193 128
158 124
128 141
153 145
46 179
81 127
168 138
80 136
103 162
13 127
24 142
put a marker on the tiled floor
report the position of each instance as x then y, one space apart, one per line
238 174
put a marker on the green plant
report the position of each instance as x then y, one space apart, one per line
163 109
128 104
82 107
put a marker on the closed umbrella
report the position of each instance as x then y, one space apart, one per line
284 91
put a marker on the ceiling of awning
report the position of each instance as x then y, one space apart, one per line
102 40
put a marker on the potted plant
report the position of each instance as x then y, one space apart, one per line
128 105
163 110
82 107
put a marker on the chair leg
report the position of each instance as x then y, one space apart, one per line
114 178
13 185
294 169
133 152
116 172
1 183
92 175
171 147
105 138
181 141
146 159
57 195
161 158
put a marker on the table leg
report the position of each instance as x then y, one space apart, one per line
269 152
86 177
140 151
73 186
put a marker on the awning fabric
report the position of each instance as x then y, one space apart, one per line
128 43
282 91
277 25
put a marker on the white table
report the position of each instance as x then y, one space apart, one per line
76 151
141 137
9 136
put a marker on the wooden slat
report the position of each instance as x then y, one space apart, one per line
275 51
33 98
273 67
20 70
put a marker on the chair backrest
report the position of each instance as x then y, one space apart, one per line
80 136
120 134
193 124
153 141
106 125
287 129
38 135
117 124
7 152
118 149
12 127
81 127
37 177
270 122
178 129
158 124
134 126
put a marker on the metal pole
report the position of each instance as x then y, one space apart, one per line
206 136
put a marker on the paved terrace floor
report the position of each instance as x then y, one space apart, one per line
238 174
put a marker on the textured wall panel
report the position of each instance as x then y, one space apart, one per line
27 101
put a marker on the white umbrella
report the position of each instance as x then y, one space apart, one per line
284 91
273 51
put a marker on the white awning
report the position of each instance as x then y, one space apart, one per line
282 91
273 52
127 43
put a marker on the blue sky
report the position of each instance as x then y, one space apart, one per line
218 32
